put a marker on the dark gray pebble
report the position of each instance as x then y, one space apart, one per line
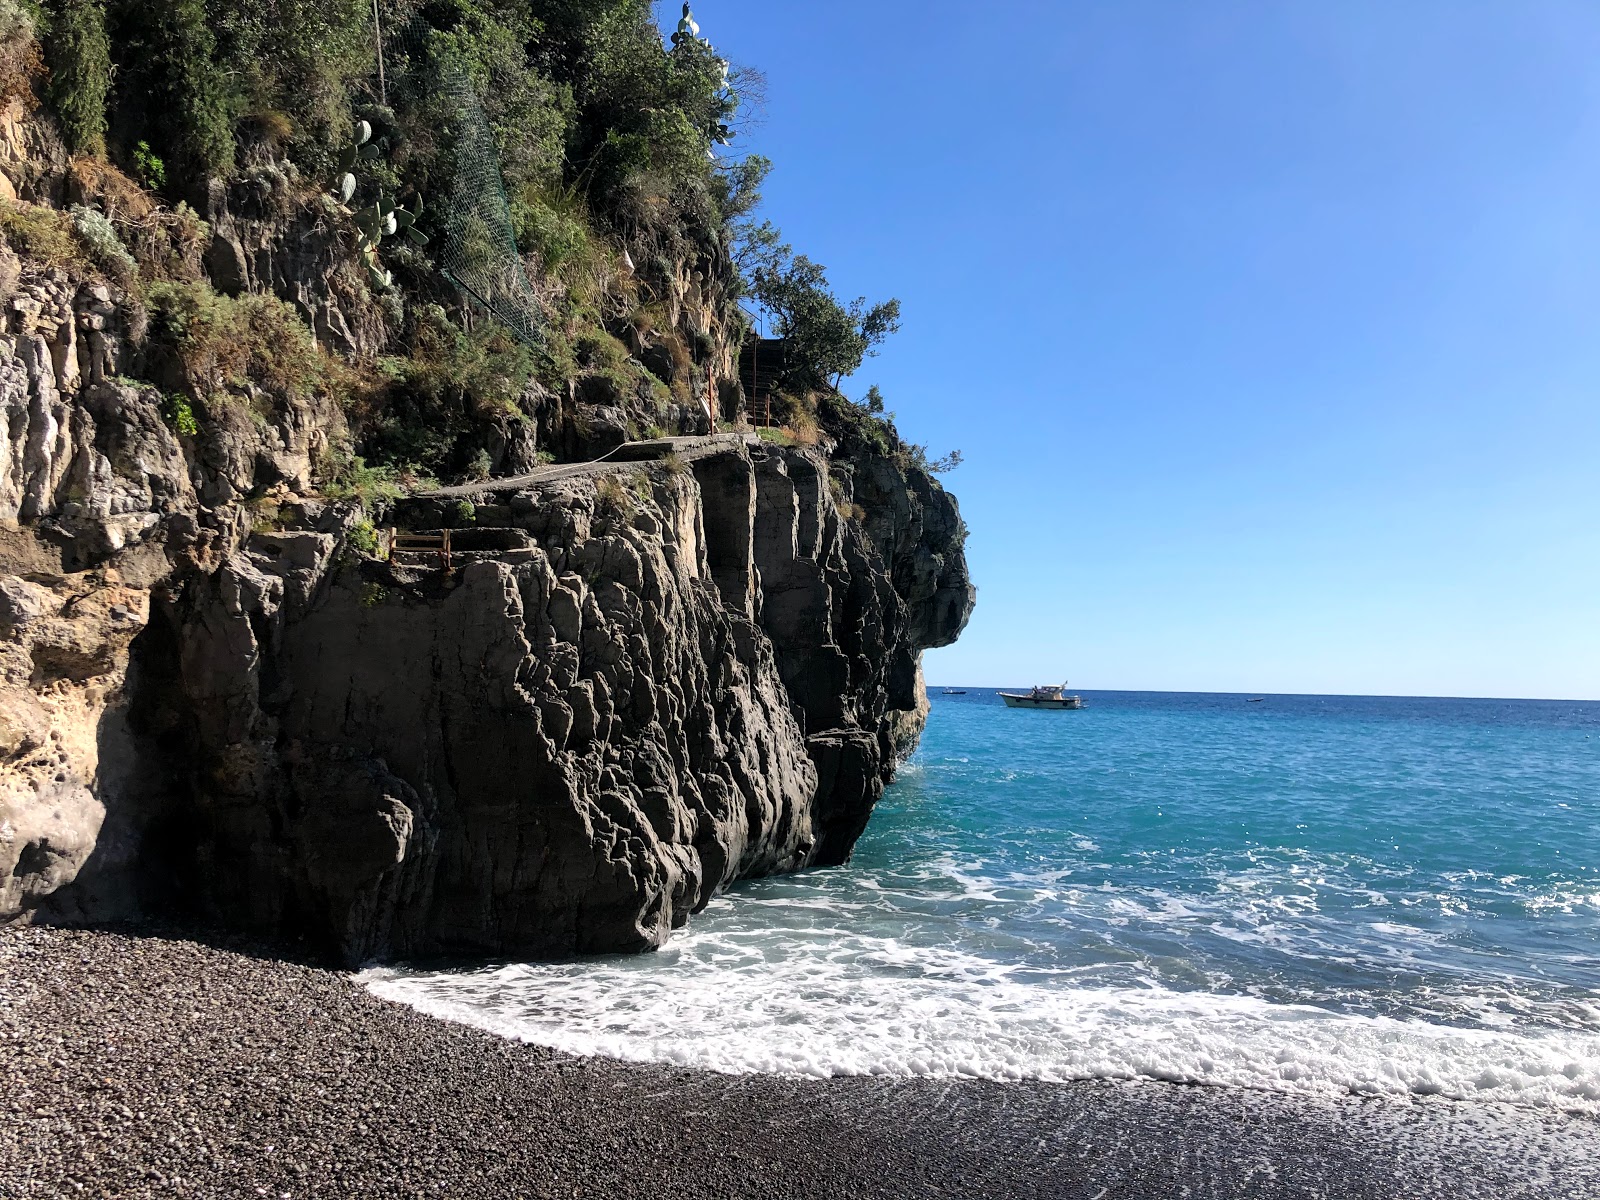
159 1066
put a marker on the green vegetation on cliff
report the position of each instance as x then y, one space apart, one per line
627 222
79 56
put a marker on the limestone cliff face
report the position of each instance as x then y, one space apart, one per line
633 687
569 746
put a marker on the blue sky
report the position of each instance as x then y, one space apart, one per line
1268 330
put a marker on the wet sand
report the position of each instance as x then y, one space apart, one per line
161 1066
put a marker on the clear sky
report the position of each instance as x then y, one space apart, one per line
1270 330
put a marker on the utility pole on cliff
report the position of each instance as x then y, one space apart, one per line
711 395
377 37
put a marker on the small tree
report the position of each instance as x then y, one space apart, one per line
80 74
825 339
185 90
738 190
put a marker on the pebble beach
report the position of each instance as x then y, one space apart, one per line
142 1064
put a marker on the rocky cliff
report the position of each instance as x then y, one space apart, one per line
227 690
633 686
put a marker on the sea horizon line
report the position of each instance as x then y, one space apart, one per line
990 687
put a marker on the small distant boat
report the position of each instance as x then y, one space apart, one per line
1042 697
1255 700
954 692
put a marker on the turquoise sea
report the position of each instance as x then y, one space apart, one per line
1315 894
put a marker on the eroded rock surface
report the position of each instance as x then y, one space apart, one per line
568 745
630 689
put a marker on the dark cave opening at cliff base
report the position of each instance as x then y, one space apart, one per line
145 864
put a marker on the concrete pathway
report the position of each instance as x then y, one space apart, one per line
626 455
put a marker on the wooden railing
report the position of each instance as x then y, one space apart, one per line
439 543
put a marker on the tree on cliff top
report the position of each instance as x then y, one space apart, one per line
826 340
79 54
182 90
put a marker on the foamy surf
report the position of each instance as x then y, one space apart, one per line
811 1015
1340 896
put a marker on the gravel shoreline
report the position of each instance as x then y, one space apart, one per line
160 1066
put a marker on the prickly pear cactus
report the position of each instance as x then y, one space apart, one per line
384 218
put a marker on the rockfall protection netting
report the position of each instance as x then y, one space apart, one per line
476 246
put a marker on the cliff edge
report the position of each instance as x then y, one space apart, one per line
258 665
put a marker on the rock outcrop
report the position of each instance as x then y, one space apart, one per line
220 694
568 744
629 690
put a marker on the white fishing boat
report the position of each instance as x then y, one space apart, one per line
1042 697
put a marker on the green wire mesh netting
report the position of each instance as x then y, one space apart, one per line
476 246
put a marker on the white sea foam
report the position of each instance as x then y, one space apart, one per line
858 1005
1564 901
980 936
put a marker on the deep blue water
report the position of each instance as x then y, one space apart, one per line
1322 894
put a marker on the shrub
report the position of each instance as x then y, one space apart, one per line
348 477
177 413
612 498
100 239
80 74
151 170
20 61
599 350
166 243
363 539
222 341
554 229
429 420
485 372
462 513
290 64
41 233
266 513
855 428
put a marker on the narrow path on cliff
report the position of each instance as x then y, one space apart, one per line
626 455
